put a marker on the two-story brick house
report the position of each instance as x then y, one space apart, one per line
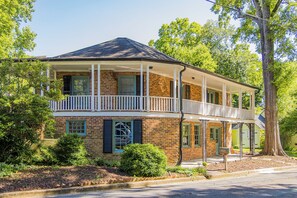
122 92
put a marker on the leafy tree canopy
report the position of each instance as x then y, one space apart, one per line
181 39
15 39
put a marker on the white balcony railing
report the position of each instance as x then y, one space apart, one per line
155 104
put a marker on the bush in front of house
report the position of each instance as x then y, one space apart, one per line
44 155
99 161
70 150
144 160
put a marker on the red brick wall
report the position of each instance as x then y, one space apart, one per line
162 132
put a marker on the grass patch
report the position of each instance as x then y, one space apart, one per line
187 171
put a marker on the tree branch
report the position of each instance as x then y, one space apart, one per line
277 5
257 5
239 11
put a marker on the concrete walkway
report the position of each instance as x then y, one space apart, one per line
211 160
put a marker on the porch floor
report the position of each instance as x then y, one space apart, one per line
211 160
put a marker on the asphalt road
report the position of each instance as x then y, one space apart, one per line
266 184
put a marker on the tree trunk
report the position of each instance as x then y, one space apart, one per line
272 144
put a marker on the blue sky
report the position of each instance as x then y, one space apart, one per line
67 25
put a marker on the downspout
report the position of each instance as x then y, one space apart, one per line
180 159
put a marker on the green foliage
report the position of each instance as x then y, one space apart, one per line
45 156
204 164
187 171
70 150
262 138
182 40
22 119
143 160
99 161
8 169
288 127
15 38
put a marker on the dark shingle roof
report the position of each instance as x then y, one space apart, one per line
119 48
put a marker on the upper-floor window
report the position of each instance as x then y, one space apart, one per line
127 85
186 94
212 97
76 85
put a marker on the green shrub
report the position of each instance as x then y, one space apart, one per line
45 155
107 163
143 160
70 150
236 147
8 169
187 171
204 164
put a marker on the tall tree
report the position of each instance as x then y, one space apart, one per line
182 40
272 26
23 114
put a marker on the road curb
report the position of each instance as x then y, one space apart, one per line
47 192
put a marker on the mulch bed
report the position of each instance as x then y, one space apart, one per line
62 177
44 177
252 163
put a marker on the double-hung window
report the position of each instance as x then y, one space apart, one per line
212 97
78 127
197 135
186 135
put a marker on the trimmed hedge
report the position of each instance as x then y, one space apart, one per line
144 160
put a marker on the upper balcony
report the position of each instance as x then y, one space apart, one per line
149 87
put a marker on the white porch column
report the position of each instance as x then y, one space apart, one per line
231 99
253 103
93 89
240 103
204 94
148 88
224 98
48 76
98 87
174 90
141 87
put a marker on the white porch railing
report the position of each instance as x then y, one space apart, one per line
164 104
214 110
156 104
119 103
192 107
72 103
